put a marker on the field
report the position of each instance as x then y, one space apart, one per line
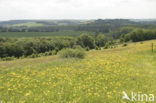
100 77
40 34
29 24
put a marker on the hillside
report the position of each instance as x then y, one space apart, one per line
100 25
76 22
31 23
100 77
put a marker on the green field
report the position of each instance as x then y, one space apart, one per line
40 34
29 24
100 77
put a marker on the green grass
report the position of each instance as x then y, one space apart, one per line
100 77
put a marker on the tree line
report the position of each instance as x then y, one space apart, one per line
138 34
18 47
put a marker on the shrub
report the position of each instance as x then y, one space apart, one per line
48 53
8 58
106 46
72 53
77 47
97 48
124 45
87 48
34 56
54 52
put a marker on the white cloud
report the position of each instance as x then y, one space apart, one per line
76 9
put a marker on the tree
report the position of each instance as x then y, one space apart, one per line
85 40
100 40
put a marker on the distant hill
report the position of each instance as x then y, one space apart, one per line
99 25
145 21
33 23
106 25
36 23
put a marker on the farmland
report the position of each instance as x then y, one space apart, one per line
100 77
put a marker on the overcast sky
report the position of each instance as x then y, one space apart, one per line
76 9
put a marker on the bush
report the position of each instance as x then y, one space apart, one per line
77 47
124 45
34 56
72 53
106 46
96 48
49 53
87 48
8 58
54 52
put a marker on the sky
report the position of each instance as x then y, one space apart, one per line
77 9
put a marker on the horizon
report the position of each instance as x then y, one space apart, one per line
80 19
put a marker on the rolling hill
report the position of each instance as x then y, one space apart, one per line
33 23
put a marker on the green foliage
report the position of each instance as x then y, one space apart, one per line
33 46
106 46
100 40
8 58
77 47
122 31
49 53
72 53
96 48
87 48
85 40
124 45
140 35
34 56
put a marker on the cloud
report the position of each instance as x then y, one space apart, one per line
76 9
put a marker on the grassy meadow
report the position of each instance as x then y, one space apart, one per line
100 77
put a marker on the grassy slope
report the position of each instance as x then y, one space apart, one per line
98 78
